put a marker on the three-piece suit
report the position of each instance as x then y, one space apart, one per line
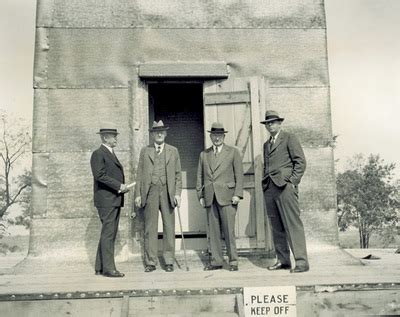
158 181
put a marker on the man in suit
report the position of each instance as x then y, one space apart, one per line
285 164
219 189
158 187
109 188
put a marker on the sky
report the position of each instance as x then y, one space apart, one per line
364 68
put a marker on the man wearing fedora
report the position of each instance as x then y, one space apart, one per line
284 167
219 189
158 187
109 188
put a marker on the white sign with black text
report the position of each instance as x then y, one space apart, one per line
270 301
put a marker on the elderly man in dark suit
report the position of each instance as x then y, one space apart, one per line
285 164
219 189
158 187
109 188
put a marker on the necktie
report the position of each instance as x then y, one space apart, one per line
216 151
271 142
158 149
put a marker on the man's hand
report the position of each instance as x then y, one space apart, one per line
138 202
123 188
235 200
202 203
177 200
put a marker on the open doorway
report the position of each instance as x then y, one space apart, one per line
180 106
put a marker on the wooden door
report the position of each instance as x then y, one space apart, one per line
239 104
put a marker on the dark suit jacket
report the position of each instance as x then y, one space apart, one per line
145 170
285 161
108 176
224 178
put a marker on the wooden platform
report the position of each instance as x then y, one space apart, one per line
333 271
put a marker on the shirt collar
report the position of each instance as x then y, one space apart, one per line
276 136
108 148
159 145
219 148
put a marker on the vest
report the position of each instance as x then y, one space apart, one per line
159 172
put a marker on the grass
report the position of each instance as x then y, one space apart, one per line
14 244
349 239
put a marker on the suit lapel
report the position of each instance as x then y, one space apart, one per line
277 142
168 153
151 151
221 156
211 158
110 155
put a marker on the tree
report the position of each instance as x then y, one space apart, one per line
368 198
15 181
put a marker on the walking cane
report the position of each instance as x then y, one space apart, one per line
183 239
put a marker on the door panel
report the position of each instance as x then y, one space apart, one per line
236 103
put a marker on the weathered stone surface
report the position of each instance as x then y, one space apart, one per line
182 14
318 197
306 111
106 58
74 117
74 239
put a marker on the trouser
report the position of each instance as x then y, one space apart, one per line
157 199
222 217
109 218
287 228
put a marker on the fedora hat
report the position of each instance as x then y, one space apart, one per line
271 115
217 127
108 131
158 126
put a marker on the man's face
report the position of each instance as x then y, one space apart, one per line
159 136
273 127
217 138
110 140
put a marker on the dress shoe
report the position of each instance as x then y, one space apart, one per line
169 268
279 266
233 268
149 268
300 269
98 272
114 273
211 267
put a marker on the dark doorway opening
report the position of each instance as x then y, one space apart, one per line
180 106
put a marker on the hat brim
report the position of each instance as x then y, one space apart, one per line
158 129
217 132
108 132
271 120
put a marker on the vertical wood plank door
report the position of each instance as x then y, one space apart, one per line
239 103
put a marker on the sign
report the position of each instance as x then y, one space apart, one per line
270 301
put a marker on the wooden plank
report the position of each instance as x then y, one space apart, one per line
228 97
210 112
263 91
244 133
125 306
240 305
257 157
